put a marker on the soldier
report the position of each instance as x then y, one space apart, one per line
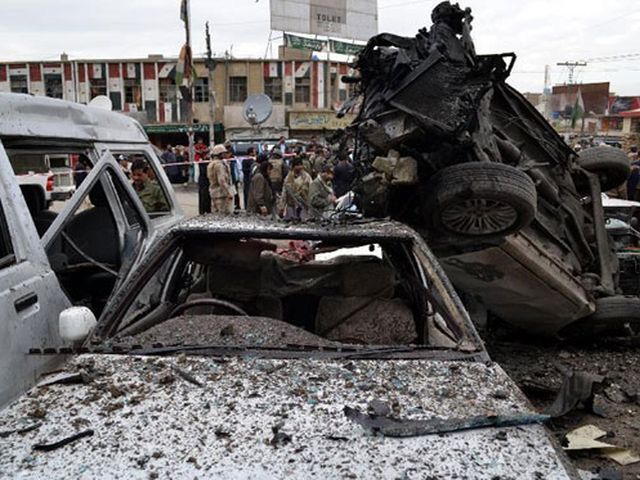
260 198
321 197
278 172
149 192
221 188
296 192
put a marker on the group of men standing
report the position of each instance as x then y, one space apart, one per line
293 184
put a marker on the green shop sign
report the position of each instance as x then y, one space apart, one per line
303 43
345 48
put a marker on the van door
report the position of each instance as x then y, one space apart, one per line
30 297
98 236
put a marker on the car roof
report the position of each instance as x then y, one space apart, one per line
37 116
244 225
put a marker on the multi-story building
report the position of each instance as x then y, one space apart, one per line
305 93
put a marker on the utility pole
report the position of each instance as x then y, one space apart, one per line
571 66
211 66
546 92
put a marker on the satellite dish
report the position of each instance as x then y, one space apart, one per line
101 101
257 109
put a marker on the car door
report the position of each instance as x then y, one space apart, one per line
30 295
99 235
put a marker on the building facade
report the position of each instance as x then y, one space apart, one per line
305 93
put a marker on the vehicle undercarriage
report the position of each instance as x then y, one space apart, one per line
444 144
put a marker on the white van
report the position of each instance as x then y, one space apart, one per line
80 252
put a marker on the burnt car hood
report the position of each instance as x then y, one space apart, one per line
149 414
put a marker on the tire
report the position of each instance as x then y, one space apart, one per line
609 163
610 318
479 200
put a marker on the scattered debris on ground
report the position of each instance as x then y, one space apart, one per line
538 371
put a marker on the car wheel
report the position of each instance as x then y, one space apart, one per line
480 199
611 317
609 163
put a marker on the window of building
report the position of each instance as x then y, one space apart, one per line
303 90
97 86
19 84
132 92
53 85
273 88
167 90
237 89
201 90
6 249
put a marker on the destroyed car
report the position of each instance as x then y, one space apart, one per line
622 227
443 143
245 348
58 254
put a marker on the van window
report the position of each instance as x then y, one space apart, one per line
97 242
6 247
48 176
161 205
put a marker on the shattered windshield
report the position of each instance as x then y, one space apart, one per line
283 294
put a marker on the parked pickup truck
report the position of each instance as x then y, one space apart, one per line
38 186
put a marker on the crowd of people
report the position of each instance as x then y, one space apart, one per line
295 183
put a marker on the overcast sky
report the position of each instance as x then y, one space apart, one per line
539 31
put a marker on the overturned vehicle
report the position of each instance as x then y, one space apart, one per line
514 214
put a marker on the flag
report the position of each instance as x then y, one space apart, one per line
184 11
131 70
303 69
273 70
578 109
185 72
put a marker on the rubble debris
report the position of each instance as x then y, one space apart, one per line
165 377
379 408
47 447
586 438
279 437
37 412
20 431
65 378
577 388
186 376
397 170
601 474
395 427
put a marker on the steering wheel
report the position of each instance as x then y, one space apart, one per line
206 301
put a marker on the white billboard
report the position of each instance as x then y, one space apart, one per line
352 19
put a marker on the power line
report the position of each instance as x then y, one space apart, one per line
612 58
571 66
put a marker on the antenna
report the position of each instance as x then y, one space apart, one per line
571 66
257 109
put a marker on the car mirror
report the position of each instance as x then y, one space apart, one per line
75 324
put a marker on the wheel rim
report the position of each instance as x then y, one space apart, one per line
479 216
